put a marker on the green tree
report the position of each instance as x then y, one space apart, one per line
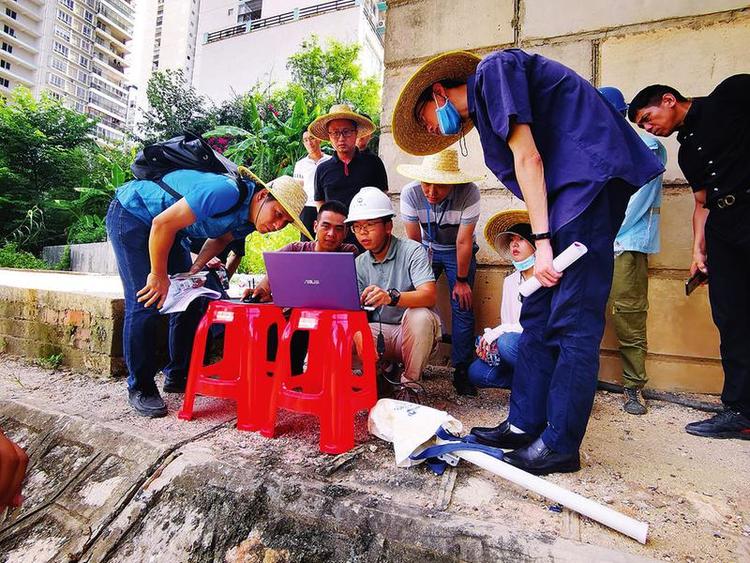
46 150
174 106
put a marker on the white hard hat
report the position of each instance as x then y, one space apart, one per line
369 203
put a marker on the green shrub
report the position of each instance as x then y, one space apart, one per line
87 228
256 244
12 257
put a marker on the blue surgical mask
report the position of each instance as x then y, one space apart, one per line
524 265
449 120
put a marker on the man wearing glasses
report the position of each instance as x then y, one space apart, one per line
349 170
395 276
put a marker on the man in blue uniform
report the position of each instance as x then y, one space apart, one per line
553 141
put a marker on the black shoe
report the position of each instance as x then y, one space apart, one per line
501 437
150 405
538 459
462 384
727 424
634 403
174 385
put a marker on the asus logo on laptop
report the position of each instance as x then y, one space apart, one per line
312 282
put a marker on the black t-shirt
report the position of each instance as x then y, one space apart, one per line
339 181
237 246
715 140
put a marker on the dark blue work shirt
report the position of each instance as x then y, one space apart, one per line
582 140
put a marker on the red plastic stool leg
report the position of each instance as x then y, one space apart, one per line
196 366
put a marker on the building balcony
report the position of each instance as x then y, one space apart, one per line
124 10
13 59
16 42
16 77
115 118
117 69
21 26
109 97
117 29
107 35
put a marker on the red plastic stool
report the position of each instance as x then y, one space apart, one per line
328 388
246 329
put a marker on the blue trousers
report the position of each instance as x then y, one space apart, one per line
483 375
558 362
129 238
462 321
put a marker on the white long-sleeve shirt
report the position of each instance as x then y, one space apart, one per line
510 309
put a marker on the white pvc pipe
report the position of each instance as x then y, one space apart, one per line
624 524
562 261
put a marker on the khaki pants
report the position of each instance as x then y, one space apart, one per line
629 302
410 342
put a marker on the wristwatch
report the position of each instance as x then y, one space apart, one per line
540 236
395 295
462 279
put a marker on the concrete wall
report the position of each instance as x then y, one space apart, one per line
94 257
689 44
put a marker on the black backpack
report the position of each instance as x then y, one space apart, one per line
186 152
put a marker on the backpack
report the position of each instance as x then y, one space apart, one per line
186 152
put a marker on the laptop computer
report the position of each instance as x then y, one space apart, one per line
314 280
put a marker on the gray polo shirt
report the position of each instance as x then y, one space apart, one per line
405 267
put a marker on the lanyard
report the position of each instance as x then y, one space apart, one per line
437 224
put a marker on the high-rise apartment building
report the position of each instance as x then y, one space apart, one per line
165 38
76 50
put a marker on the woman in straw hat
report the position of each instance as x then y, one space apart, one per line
552 140
509 234
147 228
440 209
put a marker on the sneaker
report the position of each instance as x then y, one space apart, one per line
151 405
726 424
634 402
462 384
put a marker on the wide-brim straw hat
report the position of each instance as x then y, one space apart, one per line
497 231
319 127
288 192
440 168
410 135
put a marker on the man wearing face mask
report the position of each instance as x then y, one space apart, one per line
553 141
440 210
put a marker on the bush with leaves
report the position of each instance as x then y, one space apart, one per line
12 257
256 244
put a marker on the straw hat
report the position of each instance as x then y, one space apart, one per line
440 168
497 231
319 127
288 192
409 134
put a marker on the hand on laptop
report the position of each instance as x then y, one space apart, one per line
260 294
374 296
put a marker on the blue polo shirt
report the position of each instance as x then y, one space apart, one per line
205 192
582 140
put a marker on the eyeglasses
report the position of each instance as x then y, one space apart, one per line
346 133
366 228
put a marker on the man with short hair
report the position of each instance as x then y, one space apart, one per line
394 275
330 232
637 238
551 139
440 210
304 171
349 170
714 148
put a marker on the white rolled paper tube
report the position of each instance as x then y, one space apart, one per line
563 260
603 514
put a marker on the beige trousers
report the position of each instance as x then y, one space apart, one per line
411 342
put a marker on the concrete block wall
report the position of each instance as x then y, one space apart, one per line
688 44
85 329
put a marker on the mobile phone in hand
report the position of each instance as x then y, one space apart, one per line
697 279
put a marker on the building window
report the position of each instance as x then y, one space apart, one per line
80 107
230 11
59 64
83 76
85 45
4 82
56 80
250 10
64 17
4 64
9 30
60 48
7 48
62 33
83 61
86 30
68 4
81 92
88 16
11 13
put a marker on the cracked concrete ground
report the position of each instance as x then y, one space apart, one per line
105 485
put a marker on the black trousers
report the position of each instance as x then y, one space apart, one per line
728 251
